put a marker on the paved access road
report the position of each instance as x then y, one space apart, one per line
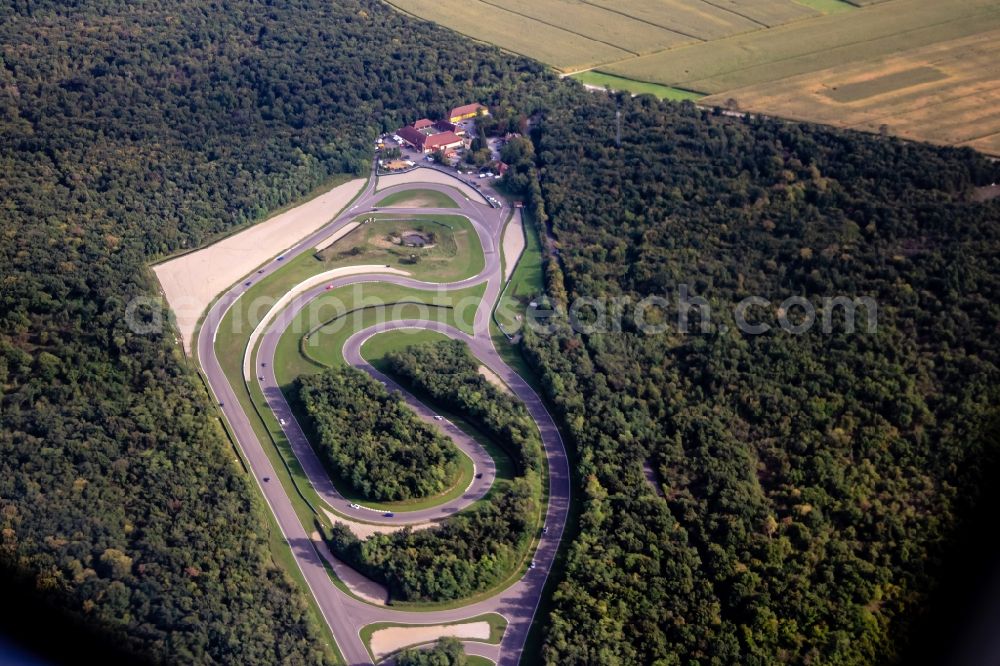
345 614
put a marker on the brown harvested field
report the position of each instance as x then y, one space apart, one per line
596 23
561 48
574 35
946 93
767 12
810 45
698 19
987 144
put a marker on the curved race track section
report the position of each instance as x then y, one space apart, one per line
345 614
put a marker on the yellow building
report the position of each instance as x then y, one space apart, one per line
461 113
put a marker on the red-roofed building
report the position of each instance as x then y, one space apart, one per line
428 142
445 126
460 113
423 123
442 141
412 136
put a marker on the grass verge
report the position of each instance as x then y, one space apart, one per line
828 6
602 80
331 319
417 198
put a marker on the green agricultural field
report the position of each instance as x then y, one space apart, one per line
854 92
829 6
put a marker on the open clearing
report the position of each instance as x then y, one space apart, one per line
190 282
435 248
920 69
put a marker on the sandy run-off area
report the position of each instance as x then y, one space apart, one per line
365 530
389 640
513 244
361 586
425 175
192 281
494 379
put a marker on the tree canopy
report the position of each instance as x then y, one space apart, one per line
127 132
803 486
479 547
372 440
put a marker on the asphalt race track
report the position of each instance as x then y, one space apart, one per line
345 614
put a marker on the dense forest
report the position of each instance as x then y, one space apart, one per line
809 482
803 486
465 554
371 439
448 374
128 131
478 547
